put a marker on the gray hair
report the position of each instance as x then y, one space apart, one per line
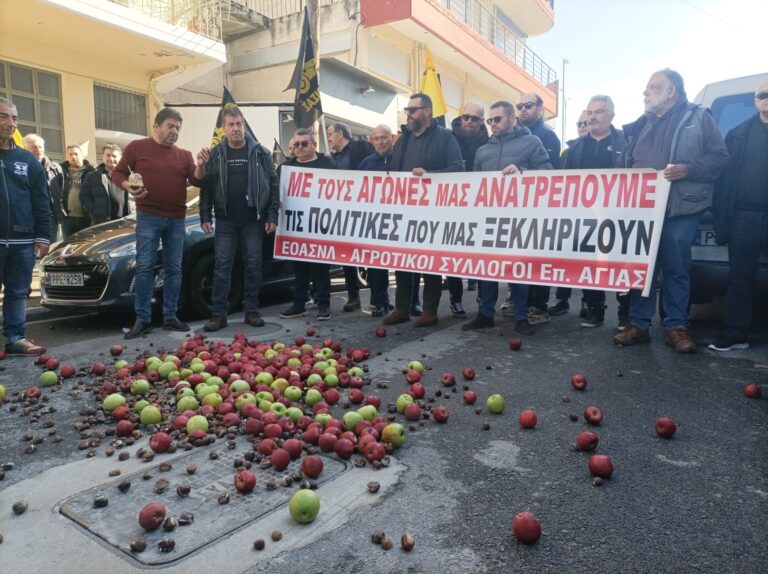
343 128
676 80
33 138
7 102
605 99
112 147
384 127
306 132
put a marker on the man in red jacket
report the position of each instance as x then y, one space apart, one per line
161 206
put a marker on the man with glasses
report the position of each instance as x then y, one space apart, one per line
741 219
681 139
423 147
305 147
511 148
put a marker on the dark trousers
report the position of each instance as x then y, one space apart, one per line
321 278
72 225
593 297
749 231
538 296
350 281
231 236
455 289
378 281
432 291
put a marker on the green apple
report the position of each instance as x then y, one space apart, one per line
265 405
184 373
113 401
326 352
212 399
314 379
278 345
150 415
304 506
264 378
323 418
197 422
279 384
153 363
368 412
356 372
185 392
293 362
120 364
244 399
270 354
3 393
265 396
279 409
166 369
186 404
171 358
50 378
313 396
415 366
350 419
292 393
331 380
206 390
197 367
403 401
394 434
495 404
239 385
139 387
320 365
294 413
214 380
139 406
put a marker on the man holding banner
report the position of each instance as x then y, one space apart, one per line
423 147
512 148
681 139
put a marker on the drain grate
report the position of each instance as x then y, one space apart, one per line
117 523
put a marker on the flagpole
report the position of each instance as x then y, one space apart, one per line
313 14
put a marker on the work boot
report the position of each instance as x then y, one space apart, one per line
396 316
139 328
523 327
254 319
352 305
479 322
215 323
632 335
173 324
427 319
680 339
560 308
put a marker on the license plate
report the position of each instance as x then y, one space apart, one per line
65 279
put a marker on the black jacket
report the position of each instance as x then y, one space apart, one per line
724 200
469 145
263 191
443 155
87 168
356 150
55 178
573 154
96 199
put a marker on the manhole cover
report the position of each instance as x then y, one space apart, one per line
117 523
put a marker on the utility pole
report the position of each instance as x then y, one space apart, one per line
563 122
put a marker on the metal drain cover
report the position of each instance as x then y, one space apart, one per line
117 523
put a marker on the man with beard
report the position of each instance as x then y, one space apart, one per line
511 148
681 139
424 147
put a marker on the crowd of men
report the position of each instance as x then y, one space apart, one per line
239 194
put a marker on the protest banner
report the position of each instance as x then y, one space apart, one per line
593 229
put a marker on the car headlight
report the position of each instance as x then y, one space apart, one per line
123 251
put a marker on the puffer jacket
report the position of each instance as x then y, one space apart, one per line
518 146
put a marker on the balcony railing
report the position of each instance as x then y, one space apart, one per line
200 16
486 24
273 9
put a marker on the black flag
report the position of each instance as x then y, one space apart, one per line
278 157
306 105
227 101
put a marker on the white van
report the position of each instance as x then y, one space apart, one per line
732 102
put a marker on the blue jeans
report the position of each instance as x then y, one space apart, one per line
150 230
674 264
229 237
16 263
488 291
378 280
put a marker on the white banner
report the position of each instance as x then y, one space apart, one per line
592 229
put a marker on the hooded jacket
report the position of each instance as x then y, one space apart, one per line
263 190
469 144
518 146
96 199
25 211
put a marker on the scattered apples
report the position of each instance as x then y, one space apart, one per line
470 397
753 391
579 382
447 379
587 440
665 427
601 465
381 332
515 344
526 528
440 414
312 466
151 516
304 506
495 404
593 415
528 419
160 442
116 350
468 374
245 481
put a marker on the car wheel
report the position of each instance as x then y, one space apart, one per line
201 288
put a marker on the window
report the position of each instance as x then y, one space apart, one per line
729 111
37 96
119 110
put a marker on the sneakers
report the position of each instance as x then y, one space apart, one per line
523 326
352 305
215 323
560 308
427 319
595 317
416 310
139 328
457 309
727 344
508 303
537 316
681 340
395 317
173 324
379 311
323 313
24 348
254 319
632 335
583 311
479 322
292 312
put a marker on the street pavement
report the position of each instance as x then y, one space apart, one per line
695 503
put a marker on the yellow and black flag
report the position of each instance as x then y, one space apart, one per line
306 105
278 157
227 101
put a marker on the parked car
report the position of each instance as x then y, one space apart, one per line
94 269
731 102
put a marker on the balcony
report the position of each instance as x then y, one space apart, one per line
532 17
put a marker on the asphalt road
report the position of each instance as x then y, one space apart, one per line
695 503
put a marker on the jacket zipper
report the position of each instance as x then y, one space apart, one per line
7 203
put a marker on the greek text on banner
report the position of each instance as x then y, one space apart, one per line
593 229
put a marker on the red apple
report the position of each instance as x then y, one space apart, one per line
448 379
160 442
417 391
526 528
52 364
152 516
124 428
267 446
381 332
374 451
528 419
373 400
753 391
312 466
587 440
593 415
245 481
356 396
344 448
327 441
470 397
43 359
273 430
98 369
515 344
601 465
116 350
412 412
279 459
469 374
67 372
33 393
440 414
579 382
293 447
121 413
665 427
412 376
231 419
